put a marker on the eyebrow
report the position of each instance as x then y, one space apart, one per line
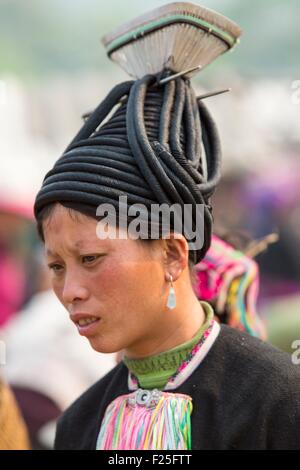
50 253
78 244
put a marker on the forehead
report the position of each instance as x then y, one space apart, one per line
68 227
68 221
71 231
74 247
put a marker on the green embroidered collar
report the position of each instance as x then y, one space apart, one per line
154 371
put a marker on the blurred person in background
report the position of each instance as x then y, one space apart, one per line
229 280
14 223
275 201
13 432
255 205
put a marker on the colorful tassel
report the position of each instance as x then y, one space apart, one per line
147 419
229 280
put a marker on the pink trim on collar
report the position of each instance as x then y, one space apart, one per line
188 366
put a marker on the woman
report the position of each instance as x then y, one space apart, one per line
185 382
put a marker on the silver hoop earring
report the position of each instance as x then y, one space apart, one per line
171 303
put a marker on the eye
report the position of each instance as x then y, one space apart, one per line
88 259
57 268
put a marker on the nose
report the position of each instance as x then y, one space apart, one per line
74 290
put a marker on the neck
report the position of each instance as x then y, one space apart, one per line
155 371
173 328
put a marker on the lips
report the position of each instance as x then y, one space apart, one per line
78 318
85 322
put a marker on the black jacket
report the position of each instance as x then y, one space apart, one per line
246 395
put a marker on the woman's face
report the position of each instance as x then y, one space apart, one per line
107 282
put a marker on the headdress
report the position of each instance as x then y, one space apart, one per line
150 139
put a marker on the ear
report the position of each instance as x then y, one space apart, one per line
176 254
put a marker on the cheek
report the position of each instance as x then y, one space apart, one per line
126 284
57 287
113 282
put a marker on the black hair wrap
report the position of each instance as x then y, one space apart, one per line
150 150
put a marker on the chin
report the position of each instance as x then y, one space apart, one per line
103 346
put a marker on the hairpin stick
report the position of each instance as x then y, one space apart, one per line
85 116
258 246
213 93
179 74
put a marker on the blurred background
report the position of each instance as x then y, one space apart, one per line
53 69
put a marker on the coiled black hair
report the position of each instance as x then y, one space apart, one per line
144 141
